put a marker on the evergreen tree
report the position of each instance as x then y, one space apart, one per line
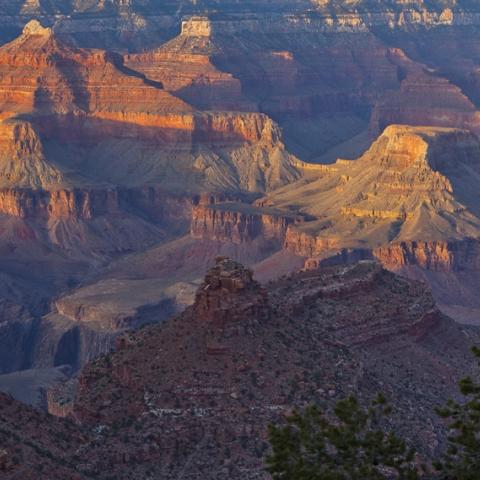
462 460
351 445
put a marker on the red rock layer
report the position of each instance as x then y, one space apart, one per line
437 256
39 73
178 130
86 204
192 77
237 223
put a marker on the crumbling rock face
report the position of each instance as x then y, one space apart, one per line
238 223
229 298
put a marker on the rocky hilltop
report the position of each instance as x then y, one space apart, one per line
197 393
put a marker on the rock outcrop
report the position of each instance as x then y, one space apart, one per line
229 299
90 98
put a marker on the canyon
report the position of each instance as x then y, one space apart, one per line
88 176
332 147
410 202
216 117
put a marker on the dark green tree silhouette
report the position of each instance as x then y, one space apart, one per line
462 460
349 445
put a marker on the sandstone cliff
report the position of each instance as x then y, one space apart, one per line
238 223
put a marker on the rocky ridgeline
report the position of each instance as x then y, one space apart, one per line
196 393
135 21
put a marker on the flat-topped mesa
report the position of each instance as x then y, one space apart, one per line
230 299
197 27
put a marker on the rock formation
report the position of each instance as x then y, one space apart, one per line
98 160
405 188
424 98
410 201
312 336
91 97
230 302
239 223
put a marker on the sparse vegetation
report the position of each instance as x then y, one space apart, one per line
348 446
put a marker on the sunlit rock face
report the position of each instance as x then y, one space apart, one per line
91 98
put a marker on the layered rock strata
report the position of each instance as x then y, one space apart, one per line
415 184
238 223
